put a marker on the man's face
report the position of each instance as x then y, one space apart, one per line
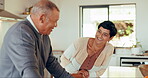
48 22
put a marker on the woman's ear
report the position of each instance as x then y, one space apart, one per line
111 38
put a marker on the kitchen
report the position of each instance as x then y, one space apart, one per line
69 19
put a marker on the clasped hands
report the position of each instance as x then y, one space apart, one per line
81 74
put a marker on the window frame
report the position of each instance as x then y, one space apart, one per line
101 6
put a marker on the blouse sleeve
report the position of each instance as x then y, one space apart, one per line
67 57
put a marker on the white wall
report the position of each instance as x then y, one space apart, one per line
68 27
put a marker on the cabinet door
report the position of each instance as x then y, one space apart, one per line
1 4
113 61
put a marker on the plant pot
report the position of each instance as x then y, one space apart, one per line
136 50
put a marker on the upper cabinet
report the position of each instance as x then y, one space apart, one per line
1 4
8 13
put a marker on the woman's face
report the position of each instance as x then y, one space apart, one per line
102 36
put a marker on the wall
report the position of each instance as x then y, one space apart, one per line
68 26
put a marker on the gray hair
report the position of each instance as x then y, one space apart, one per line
43 6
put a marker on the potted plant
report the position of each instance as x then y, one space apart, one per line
136 49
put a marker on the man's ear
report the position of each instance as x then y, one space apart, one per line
42 18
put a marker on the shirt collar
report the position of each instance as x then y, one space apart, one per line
30 20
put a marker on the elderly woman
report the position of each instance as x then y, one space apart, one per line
89 57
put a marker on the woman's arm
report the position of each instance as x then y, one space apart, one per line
67 58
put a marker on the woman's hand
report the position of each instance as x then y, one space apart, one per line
85 73
77 75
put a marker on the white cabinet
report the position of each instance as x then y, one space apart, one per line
127 60
114 61
132 60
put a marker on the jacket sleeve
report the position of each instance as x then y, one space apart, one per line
67 59
21 50
54 67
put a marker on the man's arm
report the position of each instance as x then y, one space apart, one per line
56 69
21 50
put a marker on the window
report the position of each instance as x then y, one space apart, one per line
123 16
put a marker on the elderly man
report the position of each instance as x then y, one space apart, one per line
26 49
